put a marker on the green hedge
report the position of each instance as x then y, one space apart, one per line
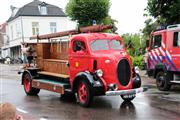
138 61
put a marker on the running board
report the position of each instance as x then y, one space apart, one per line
50 85
176 82
53 74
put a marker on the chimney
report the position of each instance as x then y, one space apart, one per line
13 10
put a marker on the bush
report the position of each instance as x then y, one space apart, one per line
138 61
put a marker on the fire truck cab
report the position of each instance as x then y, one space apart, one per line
88 65
163 61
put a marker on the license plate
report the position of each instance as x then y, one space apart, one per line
129 96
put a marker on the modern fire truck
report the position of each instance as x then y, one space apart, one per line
90 63
164 57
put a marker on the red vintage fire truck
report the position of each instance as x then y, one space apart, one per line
164 57
87 64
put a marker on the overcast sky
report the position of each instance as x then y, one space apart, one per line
128 13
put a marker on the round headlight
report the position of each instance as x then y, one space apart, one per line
136 69
99 73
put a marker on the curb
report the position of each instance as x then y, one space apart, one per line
150 86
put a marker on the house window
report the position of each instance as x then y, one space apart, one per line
43 10
176 40
18 30
35 28
53 27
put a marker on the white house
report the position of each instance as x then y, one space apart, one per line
3 38
33 18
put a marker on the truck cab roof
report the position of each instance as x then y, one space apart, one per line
169 28
94 36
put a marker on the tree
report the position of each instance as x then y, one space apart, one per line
150 26
109 20
85 11
165 11
132 43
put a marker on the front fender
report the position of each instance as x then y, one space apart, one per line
136 81
25 71
86 76
32 73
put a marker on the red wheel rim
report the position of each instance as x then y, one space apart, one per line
27 84
82 93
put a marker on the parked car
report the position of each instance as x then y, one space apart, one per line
2 59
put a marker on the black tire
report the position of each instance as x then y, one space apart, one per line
130 98
27 82
86 99
163 81
149 73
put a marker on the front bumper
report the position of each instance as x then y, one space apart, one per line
126 92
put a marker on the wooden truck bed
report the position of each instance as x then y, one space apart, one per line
52 59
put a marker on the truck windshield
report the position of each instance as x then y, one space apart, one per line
97 45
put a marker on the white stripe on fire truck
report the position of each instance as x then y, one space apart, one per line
151 62
167 52
162 51
168 64
150 55
175 55
168 58
157 51
154 56
163 45
158 55
151 59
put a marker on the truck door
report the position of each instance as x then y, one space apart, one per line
78 58
175 50
154 56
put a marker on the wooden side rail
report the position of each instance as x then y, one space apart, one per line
56 60
53 74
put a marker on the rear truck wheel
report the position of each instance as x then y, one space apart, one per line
149 73
162 81
27 82
84 94
128 97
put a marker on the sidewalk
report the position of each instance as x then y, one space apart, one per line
10 71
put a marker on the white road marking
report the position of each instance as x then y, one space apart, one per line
141 103
42 119
21 110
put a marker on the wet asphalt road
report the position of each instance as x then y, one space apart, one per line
151 105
